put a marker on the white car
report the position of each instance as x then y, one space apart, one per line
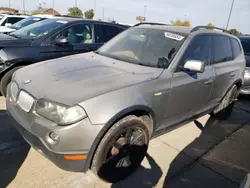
23 23
8 20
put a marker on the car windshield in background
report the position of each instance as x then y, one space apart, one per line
1 17
148 47
38 29
25 22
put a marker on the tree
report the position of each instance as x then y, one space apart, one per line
210 25
75 12
184 23
89 14
234 31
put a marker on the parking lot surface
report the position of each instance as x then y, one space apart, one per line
209 152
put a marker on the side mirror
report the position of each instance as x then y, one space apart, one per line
195 66
8 25
61 40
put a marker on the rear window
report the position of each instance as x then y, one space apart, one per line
246 46
222 49
236 47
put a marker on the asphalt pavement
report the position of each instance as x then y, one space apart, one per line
209 152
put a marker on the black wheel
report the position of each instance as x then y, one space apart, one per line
121 150
6 79
225 108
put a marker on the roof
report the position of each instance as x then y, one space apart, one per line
74 19
244 37
178 29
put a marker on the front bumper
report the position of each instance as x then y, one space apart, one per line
76 139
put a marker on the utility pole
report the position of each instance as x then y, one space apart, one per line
75 3
53 6
102 13
9 4
23 6
94 5
230 13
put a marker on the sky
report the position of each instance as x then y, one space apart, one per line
198 12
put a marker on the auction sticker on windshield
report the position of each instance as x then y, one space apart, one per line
62 21
173 36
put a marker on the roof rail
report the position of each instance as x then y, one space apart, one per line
209 27
148 23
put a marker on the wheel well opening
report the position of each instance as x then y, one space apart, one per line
238 84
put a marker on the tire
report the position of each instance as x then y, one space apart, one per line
224 110
120 165
6 79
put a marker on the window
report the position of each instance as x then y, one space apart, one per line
222 49
198 49
105 32
236 47
13 20
78 34
246 46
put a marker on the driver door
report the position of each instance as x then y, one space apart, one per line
80 40
190 91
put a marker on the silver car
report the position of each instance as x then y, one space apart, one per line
99 110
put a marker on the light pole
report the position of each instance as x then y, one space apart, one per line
53 6
230 13
75 3
9 4
145 8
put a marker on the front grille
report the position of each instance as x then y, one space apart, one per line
25 101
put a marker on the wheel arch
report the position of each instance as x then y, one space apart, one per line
137 110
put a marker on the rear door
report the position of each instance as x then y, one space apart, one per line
190 92
105 32
224 65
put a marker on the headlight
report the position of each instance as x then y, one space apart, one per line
59 113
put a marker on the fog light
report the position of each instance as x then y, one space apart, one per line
53 136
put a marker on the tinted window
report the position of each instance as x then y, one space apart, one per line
246 46
222 49
198 49
236 47
13 20
105 32
78 34
25 22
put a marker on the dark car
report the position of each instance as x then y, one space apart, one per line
51 38
245 41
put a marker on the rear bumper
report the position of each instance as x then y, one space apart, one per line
245 90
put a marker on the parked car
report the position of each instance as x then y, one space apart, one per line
99 110
48 39
9 19
25 22
245 41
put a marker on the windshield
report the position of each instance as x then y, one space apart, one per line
25 22
1 17
39 29
148 47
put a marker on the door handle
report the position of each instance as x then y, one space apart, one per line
210 81
232 74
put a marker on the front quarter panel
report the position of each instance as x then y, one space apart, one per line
151 96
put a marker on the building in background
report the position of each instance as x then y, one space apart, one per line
50 11
7 10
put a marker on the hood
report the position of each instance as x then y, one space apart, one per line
9 41
74 79
4 29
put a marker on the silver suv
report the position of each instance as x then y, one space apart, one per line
99 110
